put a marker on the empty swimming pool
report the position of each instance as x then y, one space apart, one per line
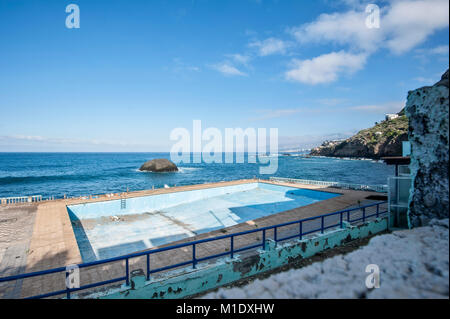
119 227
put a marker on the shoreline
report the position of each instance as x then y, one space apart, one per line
346 158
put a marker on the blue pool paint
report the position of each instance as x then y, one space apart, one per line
113 228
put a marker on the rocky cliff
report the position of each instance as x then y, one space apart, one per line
428 111
384 139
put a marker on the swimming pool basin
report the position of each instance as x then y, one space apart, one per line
117 227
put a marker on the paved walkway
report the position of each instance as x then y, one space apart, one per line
413 264
16 227
53 243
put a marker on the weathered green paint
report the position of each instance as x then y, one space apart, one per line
186 282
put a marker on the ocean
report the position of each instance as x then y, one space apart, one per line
80 174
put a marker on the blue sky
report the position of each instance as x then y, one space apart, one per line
135 70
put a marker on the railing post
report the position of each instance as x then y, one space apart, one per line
232 246
264 239
348 216
341 216
378 210
364 214
67 284
322 225
275 235
127 269
194 261
301 230
148 267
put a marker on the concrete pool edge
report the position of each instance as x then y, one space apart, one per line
127 205
53 243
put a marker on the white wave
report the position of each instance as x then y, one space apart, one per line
188 169
139 171
348 158
270 155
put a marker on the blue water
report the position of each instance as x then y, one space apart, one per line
77 174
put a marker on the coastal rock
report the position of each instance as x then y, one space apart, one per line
384 139
159 165
428 110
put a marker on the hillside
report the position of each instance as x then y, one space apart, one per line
384 139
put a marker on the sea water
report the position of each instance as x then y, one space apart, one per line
80 174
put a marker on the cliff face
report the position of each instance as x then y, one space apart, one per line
384 139
428 111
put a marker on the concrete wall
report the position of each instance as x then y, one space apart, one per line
187 282
138 205
428 111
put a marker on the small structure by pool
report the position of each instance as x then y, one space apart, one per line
118 227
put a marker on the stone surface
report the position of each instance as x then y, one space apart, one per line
16 228
159 165
412 263
428 110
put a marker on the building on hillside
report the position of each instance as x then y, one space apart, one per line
391 117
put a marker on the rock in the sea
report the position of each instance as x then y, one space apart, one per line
428 110
159 165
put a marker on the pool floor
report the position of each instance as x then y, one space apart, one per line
112 236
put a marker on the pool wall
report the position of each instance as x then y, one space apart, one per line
189 282
137 205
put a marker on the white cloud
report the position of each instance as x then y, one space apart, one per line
404 25
346 28
354 3
53 140
442 49
424 80
325 68
193 68
227 68
409 23
388 107
270 46
25 138
239 58
439 50
180 66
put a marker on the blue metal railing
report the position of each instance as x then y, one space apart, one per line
376 188
194 261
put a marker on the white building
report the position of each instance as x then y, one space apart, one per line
391 116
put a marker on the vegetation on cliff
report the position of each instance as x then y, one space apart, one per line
384 139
